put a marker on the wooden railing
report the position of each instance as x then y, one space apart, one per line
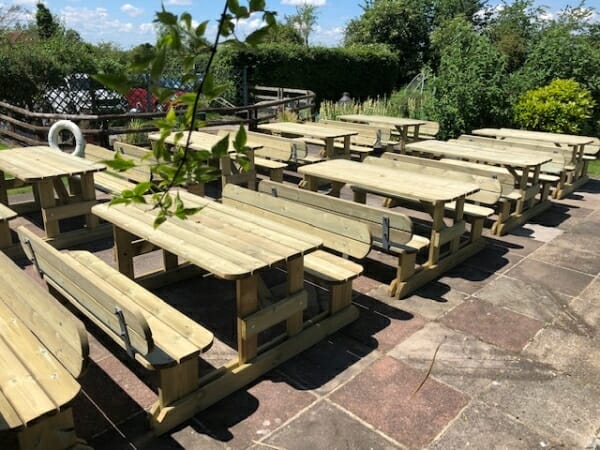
31 128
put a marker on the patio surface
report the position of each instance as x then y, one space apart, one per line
503 352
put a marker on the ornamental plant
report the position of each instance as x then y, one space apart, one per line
182 40
563 106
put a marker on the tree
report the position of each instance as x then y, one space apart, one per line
468 87
284 33
513 29
9 16
184 41
304 20
46 24
403 25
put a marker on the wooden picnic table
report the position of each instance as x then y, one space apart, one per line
400 123
201 141
328 135
433 193
231 245
44 169
525 167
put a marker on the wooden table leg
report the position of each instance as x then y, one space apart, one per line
124 251
416 135
88 193
47 201
347 147
522 189
247 303
458 217
329 148
436 228
3 189
295 283
403 137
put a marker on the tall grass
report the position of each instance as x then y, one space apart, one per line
400 104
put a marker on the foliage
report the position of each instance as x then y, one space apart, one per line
283 33
9 16
183 40
364 71
379 106
139 138
403 25
563 106
47 25
304 20
468 88
513 28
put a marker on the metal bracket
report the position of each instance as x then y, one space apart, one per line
294 153
124 333
386 243
33 257
274 192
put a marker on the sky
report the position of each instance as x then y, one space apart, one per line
129 22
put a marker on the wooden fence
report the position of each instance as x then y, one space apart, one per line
31 128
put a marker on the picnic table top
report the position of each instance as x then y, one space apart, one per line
392 181
388 120
227 242
200 140
40 163
309 130
460 150
555 138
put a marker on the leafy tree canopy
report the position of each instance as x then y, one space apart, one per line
46 23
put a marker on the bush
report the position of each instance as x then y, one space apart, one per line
563 106
364 71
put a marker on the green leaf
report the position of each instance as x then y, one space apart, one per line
187 19
115 81
160 219
221 148
142 188
201 29
166 18
257 5
158 65
234 6
257 36
119 163
119 200
240 139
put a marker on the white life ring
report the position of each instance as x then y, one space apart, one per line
61 125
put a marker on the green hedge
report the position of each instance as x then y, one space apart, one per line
364 71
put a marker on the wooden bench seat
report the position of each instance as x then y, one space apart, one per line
44 349
6 214
339 234
150 330
114 182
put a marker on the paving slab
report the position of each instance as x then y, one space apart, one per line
328 364
572 354
326 426
525 297
538 232
561 216
382 327
463 361
587 308
568 257
494 259
560 408
521 245
430 302
482 426
497 326
386 395
554 278
466 278
252 414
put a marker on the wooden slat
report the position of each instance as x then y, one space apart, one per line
95 294
273 314
309 130
565 139
6 213
490 188
314 221
62 333
331 268
412 186
151 305
375 119
31 379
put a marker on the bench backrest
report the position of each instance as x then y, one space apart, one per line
80 286
274 147
338 233
400 225
57 329
139 173
490 187
372 134
560 156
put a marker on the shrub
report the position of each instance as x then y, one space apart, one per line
563 106
364 71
